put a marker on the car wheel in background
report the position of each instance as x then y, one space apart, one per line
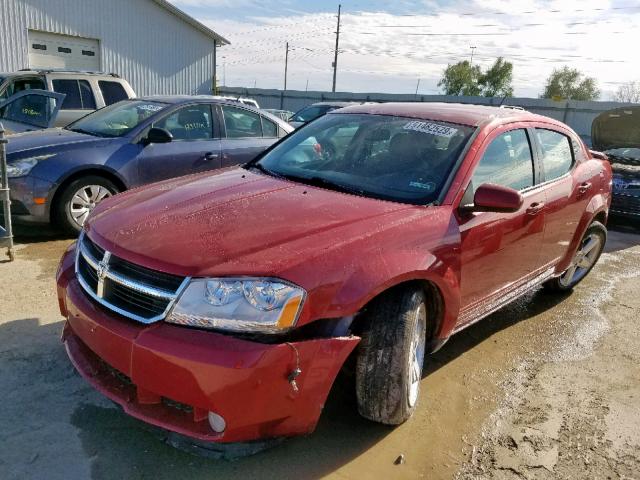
78 199
391 356
585 258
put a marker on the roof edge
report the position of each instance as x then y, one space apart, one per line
219 39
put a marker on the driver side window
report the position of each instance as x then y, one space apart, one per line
507 162
193 122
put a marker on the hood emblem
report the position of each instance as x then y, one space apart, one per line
102 272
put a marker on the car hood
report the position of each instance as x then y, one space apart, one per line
619 128
52 139
234 222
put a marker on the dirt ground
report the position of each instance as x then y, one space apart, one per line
547 388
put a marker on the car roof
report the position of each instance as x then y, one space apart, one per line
334 104
73 73
460 113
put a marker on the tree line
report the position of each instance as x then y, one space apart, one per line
564 83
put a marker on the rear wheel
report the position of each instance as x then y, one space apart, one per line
584 260
391 356
78 200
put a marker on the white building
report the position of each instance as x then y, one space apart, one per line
158 48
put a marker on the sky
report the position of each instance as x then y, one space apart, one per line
398 46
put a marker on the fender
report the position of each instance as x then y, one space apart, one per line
595 207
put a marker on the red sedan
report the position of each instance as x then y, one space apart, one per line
221 306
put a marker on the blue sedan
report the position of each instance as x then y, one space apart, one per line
59 175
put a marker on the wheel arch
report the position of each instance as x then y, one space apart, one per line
75 175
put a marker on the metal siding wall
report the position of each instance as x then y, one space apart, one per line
578 115
156 51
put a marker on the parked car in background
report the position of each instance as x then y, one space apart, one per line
30 110
84 92
230 300
245 101
314 111
617 134
281 114
60 175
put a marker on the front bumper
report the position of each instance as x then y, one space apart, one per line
22 191
172 376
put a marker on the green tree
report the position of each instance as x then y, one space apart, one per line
497 80
571 84
461 79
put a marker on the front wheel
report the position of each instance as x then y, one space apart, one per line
78 199
584 260
391 355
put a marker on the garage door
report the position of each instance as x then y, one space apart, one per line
52 50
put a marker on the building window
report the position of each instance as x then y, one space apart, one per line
88 53
38 46
64 50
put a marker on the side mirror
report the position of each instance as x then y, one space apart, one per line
158 135
495 198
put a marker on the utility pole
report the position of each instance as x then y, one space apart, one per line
286 66
417 86
306 89
335 58
473 49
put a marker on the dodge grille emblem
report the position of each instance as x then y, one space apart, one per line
101 272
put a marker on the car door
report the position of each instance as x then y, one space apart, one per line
244 136
195 146
79 100
568 185
30 110
500 251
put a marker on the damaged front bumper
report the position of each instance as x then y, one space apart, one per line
172 377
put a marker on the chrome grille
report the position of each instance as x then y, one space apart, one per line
130 290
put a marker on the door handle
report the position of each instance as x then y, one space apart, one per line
535 208
584 188
209 156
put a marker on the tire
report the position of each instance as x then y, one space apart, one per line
64 217
583 261
389 361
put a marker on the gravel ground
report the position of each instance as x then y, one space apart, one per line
546 388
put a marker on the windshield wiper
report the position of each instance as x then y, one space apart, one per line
86 132
325 183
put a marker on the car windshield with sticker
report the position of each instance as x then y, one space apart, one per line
379 156
118 119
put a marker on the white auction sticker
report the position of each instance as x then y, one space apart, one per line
431 128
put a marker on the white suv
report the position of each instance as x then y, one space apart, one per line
85 92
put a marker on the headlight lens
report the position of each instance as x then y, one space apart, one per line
239 305
20 168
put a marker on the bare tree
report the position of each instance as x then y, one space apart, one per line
628 93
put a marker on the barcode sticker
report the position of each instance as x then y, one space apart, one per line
431 128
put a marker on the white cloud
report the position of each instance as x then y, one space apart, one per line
385 52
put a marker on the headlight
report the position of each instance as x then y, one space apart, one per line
239 305
20 168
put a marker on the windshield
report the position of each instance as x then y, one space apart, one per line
118 119
385 157
310 113
31 109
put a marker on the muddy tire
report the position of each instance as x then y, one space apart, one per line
78 199
391 355
585 258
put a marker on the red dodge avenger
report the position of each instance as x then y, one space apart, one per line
221 306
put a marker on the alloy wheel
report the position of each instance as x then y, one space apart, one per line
583 261
416 357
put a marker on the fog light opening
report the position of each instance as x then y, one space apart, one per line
217 423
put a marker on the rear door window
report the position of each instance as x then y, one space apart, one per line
26 83
507 162
241 123
79 95
557 156
112 92
193 122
